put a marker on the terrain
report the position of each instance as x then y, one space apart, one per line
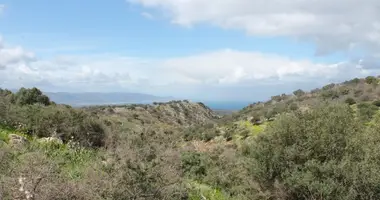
319 144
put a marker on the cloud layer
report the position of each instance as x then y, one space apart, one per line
332 24
213 75
2 7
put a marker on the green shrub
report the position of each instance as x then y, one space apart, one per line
193 165
31 96
329 94
354 81
376 103
366 111
293 107
328 87
299 93
276 98
344 90
314 154
350 101
59 121
358 92
371 80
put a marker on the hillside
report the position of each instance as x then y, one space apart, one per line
353 91
362 95
180 113
322 144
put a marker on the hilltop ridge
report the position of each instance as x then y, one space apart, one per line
181 112
355 91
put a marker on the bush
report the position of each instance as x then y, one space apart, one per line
276 98
376 103
354 81
365 97
371 80
344 90
328 87
299 93
350 101
358 92
31 96
366 111
317 154
329 94
58 121
315 91
293 107
193 165
271 113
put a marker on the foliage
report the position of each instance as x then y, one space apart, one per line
350 101
329 94
193 165
352 82
371 80
30 96
297 146
293 106
376 103
299 93
366 111
328 87
318 154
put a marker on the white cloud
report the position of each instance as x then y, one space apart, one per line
13 55
332 24
211 75
233 67
147 15
2 7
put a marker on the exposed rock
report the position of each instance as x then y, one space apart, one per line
255 120
17 139
50 140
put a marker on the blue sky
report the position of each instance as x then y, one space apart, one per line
211 50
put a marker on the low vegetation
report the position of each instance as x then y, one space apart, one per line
322 144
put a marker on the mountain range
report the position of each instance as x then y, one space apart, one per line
97 98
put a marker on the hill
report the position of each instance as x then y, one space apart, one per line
355 91
179 113
321 144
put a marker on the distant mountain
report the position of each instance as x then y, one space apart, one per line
97 98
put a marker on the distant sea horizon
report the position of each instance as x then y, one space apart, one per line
227 105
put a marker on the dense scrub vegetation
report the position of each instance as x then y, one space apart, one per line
322 144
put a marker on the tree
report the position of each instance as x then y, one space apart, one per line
354 81
276 98
328 87
350 101
299 93
31 96
371 80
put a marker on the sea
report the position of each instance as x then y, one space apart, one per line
227 105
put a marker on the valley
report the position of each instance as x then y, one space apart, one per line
319 144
